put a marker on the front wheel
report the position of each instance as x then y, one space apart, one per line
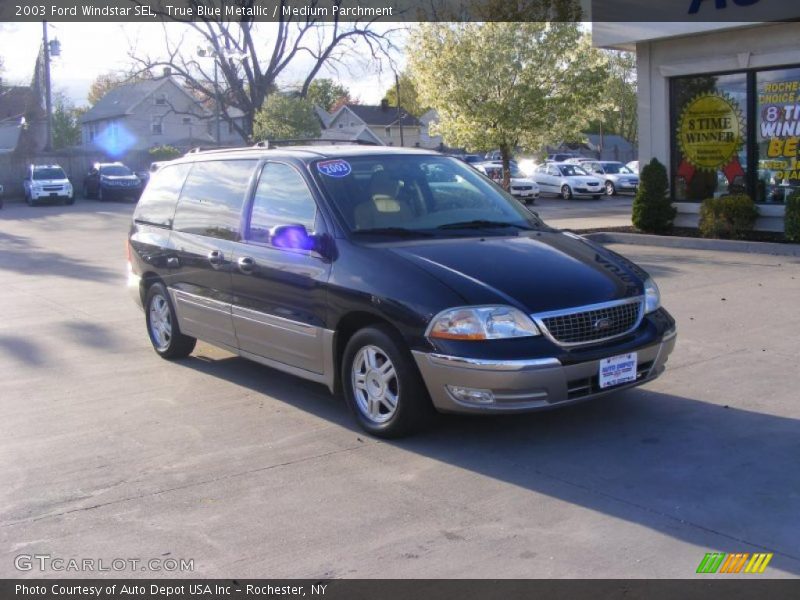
610 189
162 325
566 192
382 386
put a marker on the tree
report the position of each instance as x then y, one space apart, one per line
250 56
620 117
164 152
541 83
105 82
652 208
286 117
326 93
66 123
409 97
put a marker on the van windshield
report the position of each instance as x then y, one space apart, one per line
417 194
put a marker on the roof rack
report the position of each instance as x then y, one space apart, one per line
267 144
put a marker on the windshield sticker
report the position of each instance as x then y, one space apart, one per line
334 168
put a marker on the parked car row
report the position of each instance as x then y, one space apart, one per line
521 186
105 181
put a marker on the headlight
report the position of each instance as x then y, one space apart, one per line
652 297
482 323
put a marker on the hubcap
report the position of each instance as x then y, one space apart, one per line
375 384
160 322
610 189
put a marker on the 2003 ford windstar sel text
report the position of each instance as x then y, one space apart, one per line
403 279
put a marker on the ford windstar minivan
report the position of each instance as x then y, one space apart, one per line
402 279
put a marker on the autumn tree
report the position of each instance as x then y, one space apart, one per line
250 57
105 82
541 83
66 122
285 117
326 93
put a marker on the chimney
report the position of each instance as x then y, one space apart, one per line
167 71
384 105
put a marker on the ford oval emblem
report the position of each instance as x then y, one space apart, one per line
602 324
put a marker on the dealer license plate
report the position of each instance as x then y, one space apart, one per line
617 370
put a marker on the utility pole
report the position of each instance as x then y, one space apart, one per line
217 102
399 114
48 100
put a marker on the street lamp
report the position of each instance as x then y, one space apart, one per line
209 52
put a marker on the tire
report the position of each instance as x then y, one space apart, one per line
566 192
70 201
162 325
610 189
386 403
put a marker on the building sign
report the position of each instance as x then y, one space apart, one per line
779 127
710 131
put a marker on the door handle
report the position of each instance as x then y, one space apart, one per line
216 258
246 265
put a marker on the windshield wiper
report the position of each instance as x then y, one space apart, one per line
396 231
481 224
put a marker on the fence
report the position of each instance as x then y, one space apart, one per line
75 162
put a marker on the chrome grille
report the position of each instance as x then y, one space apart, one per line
590 324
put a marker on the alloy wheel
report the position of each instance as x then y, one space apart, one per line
375 384
160 322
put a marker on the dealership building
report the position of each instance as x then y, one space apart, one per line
719 105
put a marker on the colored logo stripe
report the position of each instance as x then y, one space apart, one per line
722 562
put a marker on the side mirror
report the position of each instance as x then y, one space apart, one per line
295 237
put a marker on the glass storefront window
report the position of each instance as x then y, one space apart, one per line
709 134
777 134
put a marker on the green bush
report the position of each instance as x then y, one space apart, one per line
727 216
791 222
165 152
652 208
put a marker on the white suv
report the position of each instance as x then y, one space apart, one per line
47 182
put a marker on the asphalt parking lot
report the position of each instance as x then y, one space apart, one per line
107 451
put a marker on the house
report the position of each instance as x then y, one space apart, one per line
612 147
144 114
14 106
381 124
432 142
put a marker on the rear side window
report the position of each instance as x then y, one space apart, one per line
157 204
282 198
212 198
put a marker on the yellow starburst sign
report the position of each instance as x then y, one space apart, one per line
710 131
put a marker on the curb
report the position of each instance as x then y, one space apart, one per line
665 241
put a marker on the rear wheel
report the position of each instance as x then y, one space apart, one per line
162 325
566 192
382 386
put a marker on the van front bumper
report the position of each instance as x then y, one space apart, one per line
527 385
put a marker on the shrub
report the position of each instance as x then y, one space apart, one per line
727 216
791 222
164 152
652 209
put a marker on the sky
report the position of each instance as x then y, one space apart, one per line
89 49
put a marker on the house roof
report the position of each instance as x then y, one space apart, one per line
323 115
378 115
362 133
123 99
9 136
14 102
609 141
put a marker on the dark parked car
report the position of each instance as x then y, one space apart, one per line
108 181
403 279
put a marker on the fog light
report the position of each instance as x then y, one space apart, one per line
471 395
